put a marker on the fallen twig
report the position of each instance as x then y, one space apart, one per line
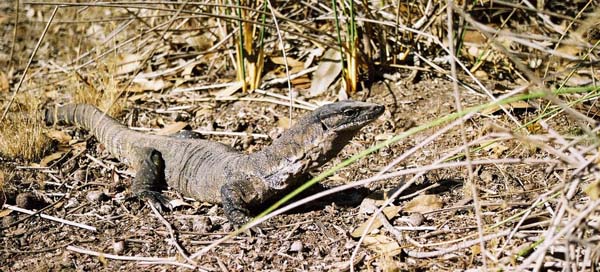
49 217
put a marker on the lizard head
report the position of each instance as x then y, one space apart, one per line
347 115
313 140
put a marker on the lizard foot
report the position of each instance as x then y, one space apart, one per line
237 216
150 177
234 205
156 199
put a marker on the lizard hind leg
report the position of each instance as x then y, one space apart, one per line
150 177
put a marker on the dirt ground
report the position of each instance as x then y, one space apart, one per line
83 183
322 232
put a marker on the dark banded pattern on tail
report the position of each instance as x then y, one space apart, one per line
106 129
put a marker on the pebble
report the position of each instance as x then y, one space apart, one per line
72 202
296 246
105 209
118 247
416 219
96 196
202 224
29 201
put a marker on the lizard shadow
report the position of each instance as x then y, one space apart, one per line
353 197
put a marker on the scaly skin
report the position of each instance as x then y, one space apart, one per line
213 172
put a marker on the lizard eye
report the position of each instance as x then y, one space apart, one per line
350 112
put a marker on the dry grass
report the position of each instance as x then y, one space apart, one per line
22 132
99 89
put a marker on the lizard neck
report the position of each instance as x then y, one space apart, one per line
302 148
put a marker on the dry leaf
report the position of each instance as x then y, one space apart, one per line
199 42
79 146
59 136
54 156
187 70
475 37
496 148
128 63
138 97
3 82
383 245
329 68
390 212
236 86
96 31
151 85
513 105
575 80
178 203
171 128
5 212
424 204
302 82
593 190
284 122
290 61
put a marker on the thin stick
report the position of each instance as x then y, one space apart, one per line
302 102
172 235
14 40
461 245
285 62
549 241
35 49
233 98
49 217
463 136
150 260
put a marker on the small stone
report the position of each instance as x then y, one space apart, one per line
367 206
8 220
72 202
105 209
118 247
202 224
79 175
227 227
349 244
96 196
474 51
29 201
66 261
481 74
296 246
416 219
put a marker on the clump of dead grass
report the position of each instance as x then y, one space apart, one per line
99 89
22 132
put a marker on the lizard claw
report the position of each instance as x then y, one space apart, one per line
156 199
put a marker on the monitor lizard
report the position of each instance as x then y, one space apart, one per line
214 172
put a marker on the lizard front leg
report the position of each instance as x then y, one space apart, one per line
232 196
242 194
150 177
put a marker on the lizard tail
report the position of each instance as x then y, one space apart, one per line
89 117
